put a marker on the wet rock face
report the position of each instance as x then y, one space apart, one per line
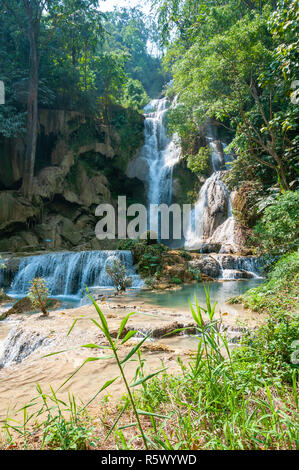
210 248
11 268
206 265
74 152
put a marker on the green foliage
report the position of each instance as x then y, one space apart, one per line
113 346
239 399
185 254
134 95
176 280
225 64
149 258
274 342
64 426
280 292
147 254
278 229
38 294
117 273
196 274
200 163
229 400
284 27
130 31
110 77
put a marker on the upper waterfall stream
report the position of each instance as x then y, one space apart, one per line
158 156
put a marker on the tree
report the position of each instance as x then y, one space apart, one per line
134 95
221 74
38 19
199 163
28 15
279 226
131 32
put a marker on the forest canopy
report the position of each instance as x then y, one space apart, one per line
235 64
69 55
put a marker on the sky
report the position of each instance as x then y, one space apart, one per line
109 5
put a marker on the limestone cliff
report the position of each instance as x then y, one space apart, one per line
80 163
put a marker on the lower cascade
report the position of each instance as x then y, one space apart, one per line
67 273
229 267
211 220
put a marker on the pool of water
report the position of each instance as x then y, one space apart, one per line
220 292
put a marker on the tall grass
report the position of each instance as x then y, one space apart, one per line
223 398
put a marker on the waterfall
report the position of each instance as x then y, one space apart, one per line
67 273
160 152
158 156
211 220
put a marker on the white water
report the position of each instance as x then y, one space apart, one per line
239 267
211 220
19 344
158 156
67 273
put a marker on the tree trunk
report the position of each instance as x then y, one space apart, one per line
32 116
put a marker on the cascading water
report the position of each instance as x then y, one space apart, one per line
212 223
211 220
158 156
67 273
239 267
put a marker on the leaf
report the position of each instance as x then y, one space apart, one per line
117 419
106 385
94 346
144 379
134 350
89 359
102 317
128 336
74 323
128 426
57 352
155 415
123 324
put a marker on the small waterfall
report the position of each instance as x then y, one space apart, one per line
239 267
20 344
68 273
210 211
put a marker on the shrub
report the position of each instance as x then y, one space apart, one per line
176 280
38 294
280 292
117 273
278 228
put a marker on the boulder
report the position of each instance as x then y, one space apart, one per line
25 306
68 231
15 211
